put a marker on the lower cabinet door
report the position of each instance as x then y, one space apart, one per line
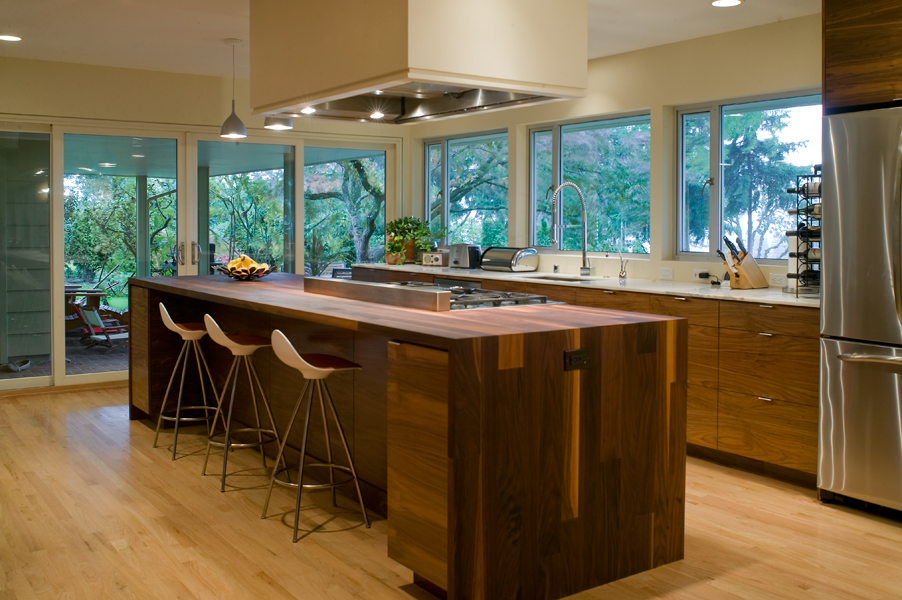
781 433
701 416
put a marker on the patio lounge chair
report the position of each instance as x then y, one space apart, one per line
103 332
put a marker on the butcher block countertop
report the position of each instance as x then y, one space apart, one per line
282 294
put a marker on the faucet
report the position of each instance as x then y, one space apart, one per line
622 262
585 270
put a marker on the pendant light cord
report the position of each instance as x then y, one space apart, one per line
233 73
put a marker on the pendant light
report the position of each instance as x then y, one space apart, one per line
233 127
278 123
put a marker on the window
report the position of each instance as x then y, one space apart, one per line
474 171
610 162
758 149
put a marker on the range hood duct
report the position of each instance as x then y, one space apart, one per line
413 60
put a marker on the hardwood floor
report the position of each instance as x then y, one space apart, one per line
89 510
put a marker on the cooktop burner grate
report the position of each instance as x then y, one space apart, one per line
468 297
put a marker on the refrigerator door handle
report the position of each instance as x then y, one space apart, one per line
896 255
895 361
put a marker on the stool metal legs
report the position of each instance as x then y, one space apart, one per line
319 387
182 361
270 435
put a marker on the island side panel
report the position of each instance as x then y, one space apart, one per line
565 480
138 353
418 460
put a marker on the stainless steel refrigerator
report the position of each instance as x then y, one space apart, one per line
860 441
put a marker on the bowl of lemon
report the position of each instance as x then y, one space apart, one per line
244 268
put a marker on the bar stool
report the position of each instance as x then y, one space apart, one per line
242 346
191 334
315 368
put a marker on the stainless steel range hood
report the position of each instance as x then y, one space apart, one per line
412 60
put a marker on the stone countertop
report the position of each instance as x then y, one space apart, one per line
646 286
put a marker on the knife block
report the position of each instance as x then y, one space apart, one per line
747 275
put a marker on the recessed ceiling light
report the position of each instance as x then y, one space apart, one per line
725 3
308 110
427 117
376 115
45 190
137 156
378 92
106 165
10 38
84 169
363 120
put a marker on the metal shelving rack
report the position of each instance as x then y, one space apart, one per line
806 197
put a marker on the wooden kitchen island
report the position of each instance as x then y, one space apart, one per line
503 474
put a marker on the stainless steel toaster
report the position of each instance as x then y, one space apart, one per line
510 259
464 256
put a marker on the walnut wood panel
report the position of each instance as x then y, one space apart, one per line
776 432
697 310
562 481
703 356
614 299
380 275
771 318
775 366
862 53
701 415
139 351
418 460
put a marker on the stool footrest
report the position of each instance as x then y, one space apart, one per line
172 417
314 486
268 433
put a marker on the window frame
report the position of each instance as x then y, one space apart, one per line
557 170
715 190
443 144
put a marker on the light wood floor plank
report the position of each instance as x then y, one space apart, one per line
89 510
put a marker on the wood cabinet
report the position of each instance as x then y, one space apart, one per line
614 299
862 53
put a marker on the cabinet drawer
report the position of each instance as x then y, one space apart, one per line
703 356
701 416
614 299
776 366
780 433
698 311
771 318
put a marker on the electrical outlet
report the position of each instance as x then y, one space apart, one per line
778 279
697 272
665 272
576 359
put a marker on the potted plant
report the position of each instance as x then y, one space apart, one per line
407 238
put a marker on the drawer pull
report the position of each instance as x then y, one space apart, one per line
678 298
765 306
608 292
767 334
765 399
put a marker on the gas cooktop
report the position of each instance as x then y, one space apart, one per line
463 298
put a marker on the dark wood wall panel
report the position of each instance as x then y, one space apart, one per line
862 53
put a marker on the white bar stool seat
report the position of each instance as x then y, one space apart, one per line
315 368
191 334
242 347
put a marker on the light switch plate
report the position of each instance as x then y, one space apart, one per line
665 272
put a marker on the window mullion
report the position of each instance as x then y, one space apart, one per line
556 177
715 212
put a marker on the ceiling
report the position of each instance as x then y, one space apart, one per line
186 36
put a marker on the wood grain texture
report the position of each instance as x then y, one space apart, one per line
776 366
862 53
697 310
784 320
418 460
614 299
139 352
701 417
777 432
91 512
703 356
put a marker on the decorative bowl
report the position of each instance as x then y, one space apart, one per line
245 269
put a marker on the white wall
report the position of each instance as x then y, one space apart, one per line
783 57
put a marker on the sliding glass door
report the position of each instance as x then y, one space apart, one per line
25 233
120 221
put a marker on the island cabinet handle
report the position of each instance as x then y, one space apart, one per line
608 292
767 334
765 399
765 305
